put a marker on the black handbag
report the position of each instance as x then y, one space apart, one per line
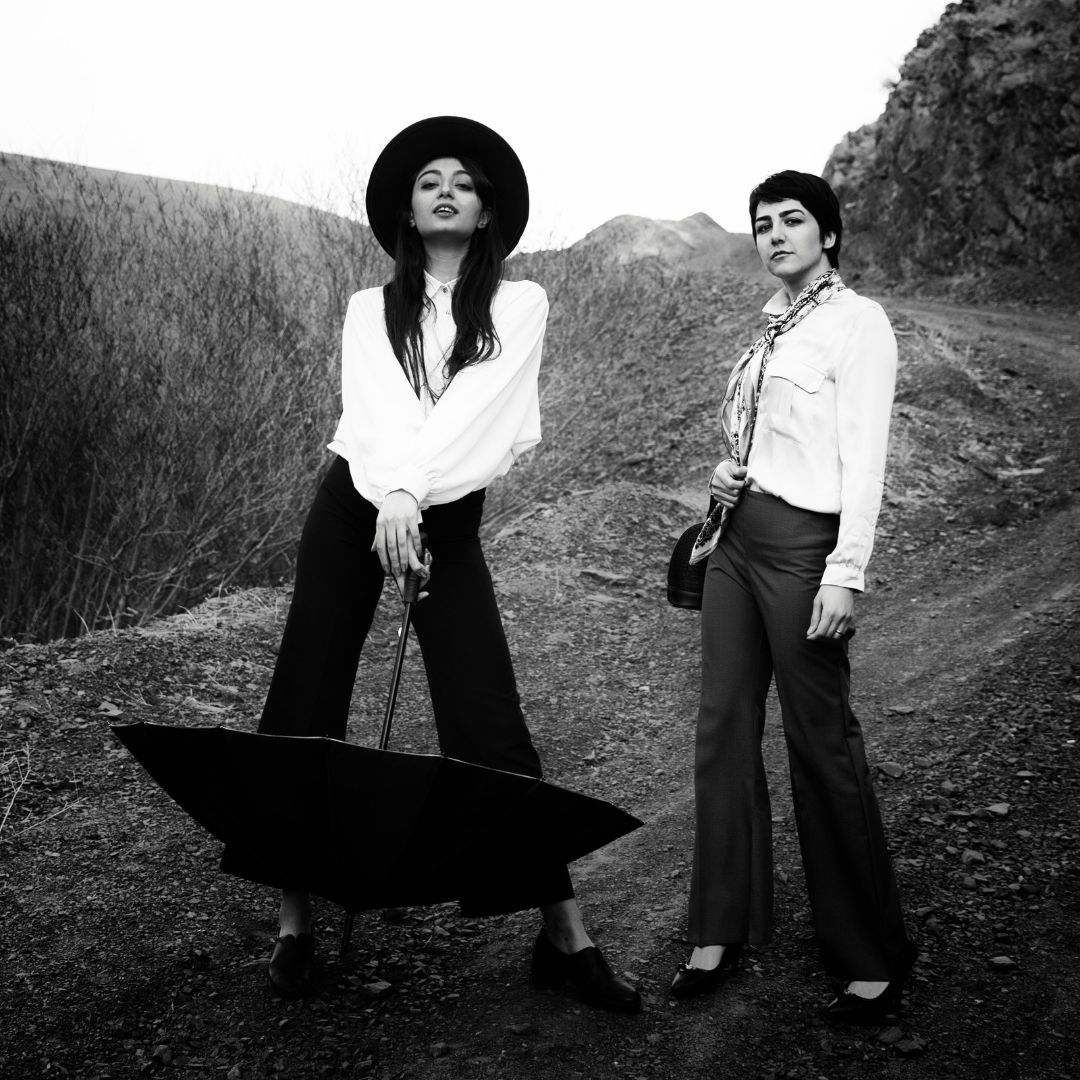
685 583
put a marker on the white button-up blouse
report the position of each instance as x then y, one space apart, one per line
822 429
487 415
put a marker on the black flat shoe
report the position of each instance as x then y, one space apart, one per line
292 965
691 981
849 1008
586 972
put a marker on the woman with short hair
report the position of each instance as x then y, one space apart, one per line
805 423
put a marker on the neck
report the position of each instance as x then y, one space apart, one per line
444 260
795 286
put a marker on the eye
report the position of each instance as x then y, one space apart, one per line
762 228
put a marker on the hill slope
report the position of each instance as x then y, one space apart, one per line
168 358
195 365
127 953
40 183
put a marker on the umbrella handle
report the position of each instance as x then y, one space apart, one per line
410 591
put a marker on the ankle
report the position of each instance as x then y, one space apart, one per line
866 988
707 957
564 927
285 929
294 916
568 939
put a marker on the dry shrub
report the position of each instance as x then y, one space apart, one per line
169 356
635 358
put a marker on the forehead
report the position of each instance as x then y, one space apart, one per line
446 166
776 209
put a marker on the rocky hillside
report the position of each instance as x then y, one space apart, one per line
972 170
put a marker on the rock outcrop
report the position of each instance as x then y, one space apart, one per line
972 173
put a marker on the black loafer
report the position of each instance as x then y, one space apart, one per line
586 972
692 982
849 1008
292 965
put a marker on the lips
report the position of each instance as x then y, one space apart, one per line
778 254
444 210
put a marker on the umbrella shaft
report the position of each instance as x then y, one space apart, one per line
391 700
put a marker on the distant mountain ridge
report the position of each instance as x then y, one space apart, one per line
972 172
696 242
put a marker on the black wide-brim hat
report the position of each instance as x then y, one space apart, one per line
446 136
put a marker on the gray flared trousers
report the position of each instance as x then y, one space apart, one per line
759 591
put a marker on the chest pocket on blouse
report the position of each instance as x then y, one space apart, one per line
792 401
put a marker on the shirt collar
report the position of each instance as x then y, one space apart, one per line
432 285
778 303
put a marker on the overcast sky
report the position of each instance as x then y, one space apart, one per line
659 109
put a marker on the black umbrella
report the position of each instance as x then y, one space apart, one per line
369 828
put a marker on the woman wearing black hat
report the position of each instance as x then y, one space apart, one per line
805 421
439 396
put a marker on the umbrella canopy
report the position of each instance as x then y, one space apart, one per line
369 828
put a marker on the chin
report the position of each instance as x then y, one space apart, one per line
447 233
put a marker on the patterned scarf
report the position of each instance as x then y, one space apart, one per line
739 410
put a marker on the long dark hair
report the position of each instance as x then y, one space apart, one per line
405 296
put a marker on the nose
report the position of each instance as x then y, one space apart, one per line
446 191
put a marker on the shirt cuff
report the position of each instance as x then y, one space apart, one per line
414 482
850 577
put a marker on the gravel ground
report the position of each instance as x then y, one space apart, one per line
126 953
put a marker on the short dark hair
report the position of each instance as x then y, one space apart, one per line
814 193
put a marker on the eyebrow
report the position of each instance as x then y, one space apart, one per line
438 172
783 213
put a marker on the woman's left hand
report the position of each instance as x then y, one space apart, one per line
397 535
834 613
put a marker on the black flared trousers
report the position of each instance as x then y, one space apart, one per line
759 592
470 675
